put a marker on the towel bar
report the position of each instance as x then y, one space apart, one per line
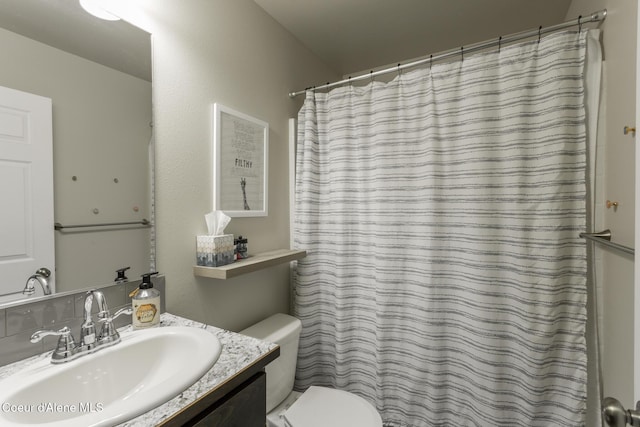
144 222
604 238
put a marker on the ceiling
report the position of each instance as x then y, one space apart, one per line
63 24
352 36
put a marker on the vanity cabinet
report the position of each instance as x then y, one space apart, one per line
241 401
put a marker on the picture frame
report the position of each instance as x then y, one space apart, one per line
240 163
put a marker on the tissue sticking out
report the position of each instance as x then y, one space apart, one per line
216 248
217 221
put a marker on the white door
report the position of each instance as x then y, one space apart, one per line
26 190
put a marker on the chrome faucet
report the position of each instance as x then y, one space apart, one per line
67 350
88 338
42 274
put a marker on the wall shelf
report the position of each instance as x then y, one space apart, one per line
251 264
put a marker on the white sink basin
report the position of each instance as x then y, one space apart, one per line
112 385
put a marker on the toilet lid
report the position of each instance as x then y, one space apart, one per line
322 407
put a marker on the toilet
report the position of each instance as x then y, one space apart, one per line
317 406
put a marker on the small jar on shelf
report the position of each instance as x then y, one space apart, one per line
241 247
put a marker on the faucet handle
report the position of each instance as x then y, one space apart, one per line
66 347
39 335
109 334
129 311
108 318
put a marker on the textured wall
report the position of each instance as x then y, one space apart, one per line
233 53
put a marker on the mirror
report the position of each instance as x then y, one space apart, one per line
98 75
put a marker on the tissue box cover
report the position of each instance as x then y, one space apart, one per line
214 251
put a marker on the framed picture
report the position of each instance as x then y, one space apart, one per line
240 163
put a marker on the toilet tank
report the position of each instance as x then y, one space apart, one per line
283 330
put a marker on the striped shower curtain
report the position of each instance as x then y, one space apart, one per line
445 281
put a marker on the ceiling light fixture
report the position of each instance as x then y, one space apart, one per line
95 8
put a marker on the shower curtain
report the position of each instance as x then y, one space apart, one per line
445 281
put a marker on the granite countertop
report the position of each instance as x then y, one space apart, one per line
238 353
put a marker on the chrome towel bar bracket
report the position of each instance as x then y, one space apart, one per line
604 238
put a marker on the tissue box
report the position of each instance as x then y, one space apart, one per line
214 251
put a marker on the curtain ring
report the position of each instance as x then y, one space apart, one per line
539 33
580 24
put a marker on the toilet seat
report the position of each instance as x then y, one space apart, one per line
322 407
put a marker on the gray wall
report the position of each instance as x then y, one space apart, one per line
234 53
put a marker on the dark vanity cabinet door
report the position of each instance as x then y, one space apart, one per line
245 406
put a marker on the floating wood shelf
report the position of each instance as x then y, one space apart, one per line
251 264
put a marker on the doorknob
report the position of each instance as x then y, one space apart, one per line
614 414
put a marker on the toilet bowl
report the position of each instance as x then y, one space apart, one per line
317 406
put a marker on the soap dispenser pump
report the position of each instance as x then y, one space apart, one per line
121 278
145 302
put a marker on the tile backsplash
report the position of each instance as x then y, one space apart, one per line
19 321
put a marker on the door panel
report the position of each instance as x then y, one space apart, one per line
26 189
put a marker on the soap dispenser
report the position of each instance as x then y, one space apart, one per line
145 302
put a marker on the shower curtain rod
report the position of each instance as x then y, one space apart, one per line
593 17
